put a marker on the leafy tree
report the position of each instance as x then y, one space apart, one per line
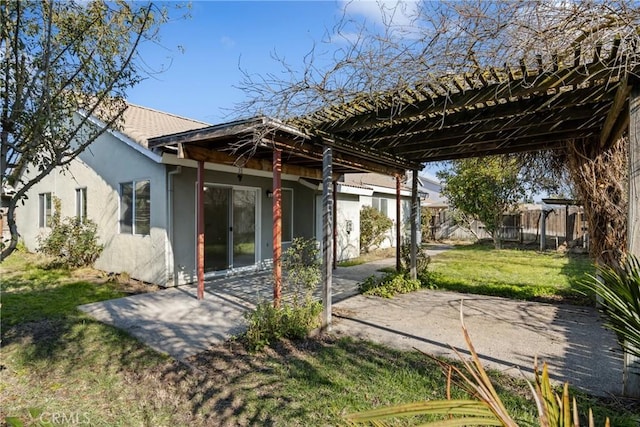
484 188
62 64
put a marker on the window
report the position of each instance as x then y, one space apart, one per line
287 215
135 207
380 204
44 216
81 204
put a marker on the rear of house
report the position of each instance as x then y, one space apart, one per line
144 204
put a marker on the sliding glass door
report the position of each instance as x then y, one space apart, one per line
230 227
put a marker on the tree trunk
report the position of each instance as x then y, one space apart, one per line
13 229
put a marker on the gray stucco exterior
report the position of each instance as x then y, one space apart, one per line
101 169
166 255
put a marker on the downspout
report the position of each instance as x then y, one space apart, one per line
172 279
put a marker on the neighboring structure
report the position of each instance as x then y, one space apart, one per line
144 203
565 221
356 190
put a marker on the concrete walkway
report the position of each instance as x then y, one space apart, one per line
507 334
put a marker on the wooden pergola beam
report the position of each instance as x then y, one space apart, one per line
617 108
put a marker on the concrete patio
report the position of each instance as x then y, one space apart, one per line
174 322
508 334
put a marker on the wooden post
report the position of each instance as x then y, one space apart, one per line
327 235
415 205
631 370
543 230
277 228
398 225
200 225
334 193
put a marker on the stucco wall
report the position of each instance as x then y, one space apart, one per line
348 242
101 168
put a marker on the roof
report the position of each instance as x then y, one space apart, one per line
142 123
250 143
368 179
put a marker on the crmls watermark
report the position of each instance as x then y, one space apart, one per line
64 418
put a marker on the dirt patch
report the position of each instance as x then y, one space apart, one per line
120 281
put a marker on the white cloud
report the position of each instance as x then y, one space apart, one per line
396 13
227 42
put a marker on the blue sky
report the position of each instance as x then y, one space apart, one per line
201 55
221 36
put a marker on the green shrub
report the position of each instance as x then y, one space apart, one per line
299 313
619 289
268 324
301 265
389 285
373 226
72 242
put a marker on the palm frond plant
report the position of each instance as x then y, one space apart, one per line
619 289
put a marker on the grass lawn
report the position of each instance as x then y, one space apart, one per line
513 273
61 367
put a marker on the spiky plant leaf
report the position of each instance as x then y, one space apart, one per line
619 289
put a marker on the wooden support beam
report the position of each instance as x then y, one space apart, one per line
618 107
334 194
631 369
200 229
398 226
327 236
415 206
543 230
212 156
277 228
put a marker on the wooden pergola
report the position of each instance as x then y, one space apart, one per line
492 112
496 111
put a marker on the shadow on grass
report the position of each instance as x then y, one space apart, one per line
312 382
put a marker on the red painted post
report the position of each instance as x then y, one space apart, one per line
277 228
200 222
398 224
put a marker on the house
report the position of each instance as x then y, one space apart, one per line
144 199
355 190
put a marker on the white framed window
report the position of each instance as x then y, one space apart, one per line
81 204
380 204
45 210
135 207
287 214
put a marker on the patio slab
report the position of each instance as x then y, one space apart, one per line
174 322
507 334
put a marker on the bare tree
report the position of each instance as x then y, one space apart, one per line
377 65
414 44
62 65
357 60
